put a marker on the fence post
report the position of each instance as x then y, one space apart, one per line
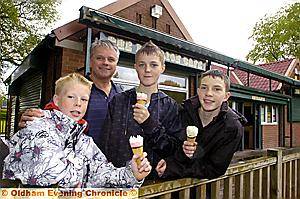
276 173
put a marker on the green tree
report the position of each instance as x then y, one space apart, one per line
22 26
277 37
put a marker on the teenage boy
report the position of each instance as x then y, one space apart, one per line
53 149
220 132
157 121
103 62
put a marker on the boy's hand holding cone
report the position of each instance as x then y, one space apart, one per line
189 146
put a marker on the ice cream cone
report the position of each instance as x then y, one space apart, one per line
141 98
191 139
138 151
191 133
136 144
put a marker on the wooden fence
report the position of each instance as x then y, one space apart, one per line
274 175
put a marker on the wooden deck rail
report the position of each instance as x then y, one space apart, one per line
275 175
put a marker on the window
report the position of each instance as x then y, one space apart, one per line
175 86
263 115
269 114
168 28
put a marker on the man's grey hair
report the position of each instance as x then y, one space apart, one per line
104 44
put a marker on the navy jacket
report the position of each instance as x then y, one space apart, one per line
160 130
217 143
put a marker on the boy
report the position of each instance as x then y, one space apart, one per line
157 122
53 149
220 132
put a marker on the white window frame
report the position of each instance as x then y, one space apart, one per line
274 110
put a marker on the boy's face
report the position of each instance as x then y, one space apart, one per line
212 93
103 62
73 100
148 68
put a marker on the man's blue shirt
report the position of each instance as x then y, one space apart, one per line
97 109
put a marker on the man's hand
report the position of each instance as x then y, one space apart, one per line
29 115
140 113
189 148
141 171
161 167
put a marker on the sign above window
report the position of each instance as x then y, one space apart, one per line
128 46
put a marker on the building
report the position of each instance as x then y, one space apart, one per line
130 24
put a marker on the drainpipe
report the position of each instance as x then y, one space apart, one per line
291 118
88 51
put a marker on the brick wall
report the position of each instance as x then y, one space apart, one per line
144 8
270 136
72 60
296 132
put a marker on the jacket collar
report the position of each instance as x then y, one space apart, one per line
51 106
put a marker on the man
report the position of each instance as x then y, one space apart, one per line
219 136
103 62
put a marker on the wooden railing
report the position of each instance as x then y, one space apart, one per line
274 175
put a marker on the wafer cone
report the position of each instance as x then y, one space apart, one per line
142 102
138 151
191 139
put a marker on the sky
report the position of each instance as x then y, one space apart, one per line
223 26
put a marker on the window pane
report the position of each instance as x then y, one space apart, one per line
274 114
177 96
169 80
269 114
262 113
125 73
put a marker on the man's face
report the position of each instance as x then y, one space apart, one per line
103 63
73 100
149 68
212 93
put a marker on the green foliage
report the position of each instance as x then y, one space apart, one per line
277 37
22 23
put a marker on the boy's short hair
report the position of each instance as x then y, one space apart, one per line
71 78
150 48
217 73
104 44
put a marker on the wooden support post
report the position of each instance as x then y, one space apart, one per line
289 179
228 183
215 189
284 179
266 183
276 173
294 179
257 184
298 177
239 186
183 194
201 191
248 183
165 196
